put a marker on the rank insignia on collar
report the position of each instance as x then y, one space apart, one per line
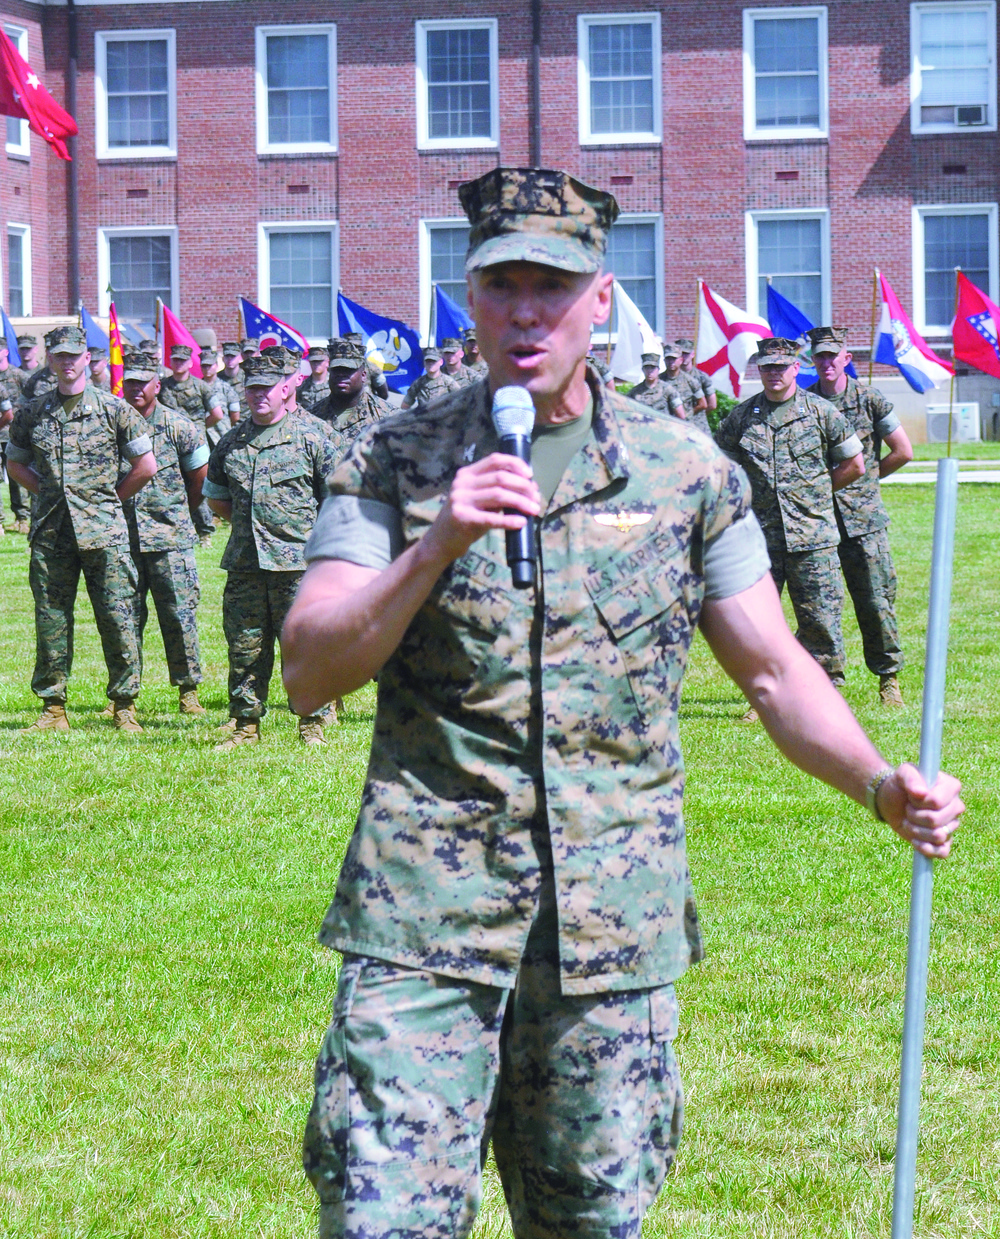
623 521
470 452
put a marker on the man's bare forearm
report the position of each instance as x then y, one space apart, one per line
23 475
847 471
143 470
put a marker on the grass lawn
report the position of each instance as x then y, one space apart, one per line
162 995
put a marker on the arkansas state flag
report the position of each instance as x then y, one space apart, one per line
727 339
975 334
899 345
174 332
22 94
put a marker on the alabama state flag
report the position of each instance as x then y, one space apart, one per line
976 328
727 339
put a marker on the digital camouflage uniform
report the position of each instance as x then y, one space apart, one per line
162 538
313 392
275 478
230 398
690 392
428 388
10 390
788 451
78 526
194 398
37 384
865 557
662 395
345 426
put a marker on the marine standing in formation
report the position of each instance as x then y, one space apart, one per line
218 387
699 376
686 386
350 406
232 373
267 477
470 357
100 375
654 391
11 380
193 397
65 448
865 557
316 387
432 384
452 364
161 532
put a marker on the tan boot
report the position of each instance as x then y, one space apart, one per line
228 727
22 527
52 718
888 691
245 731
108 711
311 729
751 716
189 703
124 717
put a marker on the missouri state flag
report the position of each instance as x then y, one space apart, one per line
727 339
899 345
975 334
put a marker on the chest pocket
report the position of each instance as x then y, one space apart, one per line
47 437
650 621
287 472
757 445
805 449
463 618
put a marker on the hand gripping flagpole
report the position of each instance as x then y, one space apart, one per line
922 883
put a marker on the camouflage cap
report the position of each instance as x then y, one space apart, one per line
671 348
776 351
263 371
685 345
26 341
355 337
180 351
230 349
249 345
650 359
536 215
432 354
97 352
141 366
469 335
346 354
827 339
449 345
317 352
283 357
207 353
66 340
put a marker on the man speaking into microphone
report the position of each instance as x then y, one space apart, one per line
515 903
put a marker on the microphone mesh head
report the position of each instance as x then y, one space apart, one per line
513 412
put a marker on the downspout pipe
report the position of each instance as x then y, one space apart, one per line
536 83
73 179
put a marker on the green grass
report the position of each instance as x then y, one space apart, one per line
162 995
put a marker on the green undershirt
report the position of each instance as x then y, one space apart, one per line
69 403
553 447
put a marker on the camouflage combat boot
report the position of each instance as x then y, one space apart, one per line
22 527
888 691
52 718
123 717
245 731
311 729
189 703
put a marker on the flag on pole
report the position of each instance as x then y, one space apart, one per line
634 337
788 320
22 94
96 337
901 346
975 334
116 363
449 317
727 339
389 344
174 332
13 352
270 330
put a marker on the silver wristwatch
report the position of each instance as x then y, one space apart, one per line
871 791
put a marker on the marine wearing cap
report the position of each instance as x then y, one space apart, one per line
827 339
777 351
141 366
346 354
66 340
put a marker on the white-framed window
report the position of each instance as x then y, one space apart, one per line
953 67
18 270
457 84
443 244
297 275
618 78
17 129
296 89
946 237
792 248
635 256
140 264
785 73
135 101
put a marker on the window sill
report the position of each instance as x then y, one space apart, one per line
953 131
621 139
305 150
456 146
138 155
19 156
788 135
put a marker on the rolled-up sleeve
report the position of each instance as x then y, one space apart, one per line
736 558
195 458
137 447
366 532
212 490
845 449
886 424
20 455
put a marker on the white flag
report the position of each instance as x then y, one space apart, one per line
635 337
727 339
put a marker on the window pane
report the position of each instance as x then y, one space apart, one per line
14 130
954 58
621 78
632 257
458 84
298 88
787 101
952 241
15 274
790 251
138 93
448 248
302 280
787 68
140 272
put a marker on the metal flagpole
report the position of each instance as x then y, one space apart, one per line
922 882
611 315
871 354
951 385
697 316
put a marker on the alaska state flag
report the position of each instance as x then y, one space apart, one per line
975 333
96 338
392 346
449 317
899 345
269 330
788 320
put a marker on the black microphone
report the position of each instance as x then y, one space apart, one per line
514 419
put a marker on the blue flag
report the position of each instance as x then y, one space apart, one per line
449 317
96 338
13 352
392 345
787 320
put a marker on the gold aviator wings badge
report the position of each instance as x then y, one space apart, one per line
623 521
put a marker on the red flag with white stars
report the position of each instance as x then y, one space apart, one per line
976 330
22 94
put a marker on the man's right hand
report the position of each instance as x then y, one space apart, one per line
477 501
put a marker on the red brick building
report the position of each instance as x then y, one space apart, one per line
281 151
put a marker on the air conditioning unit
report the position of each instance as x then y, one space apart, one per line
964 422
971 115
963 115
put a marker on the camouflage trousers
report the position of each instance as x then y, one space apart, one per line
172 579
581 1097
204 521
109 573
871 581
254 606
18 504
816 591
